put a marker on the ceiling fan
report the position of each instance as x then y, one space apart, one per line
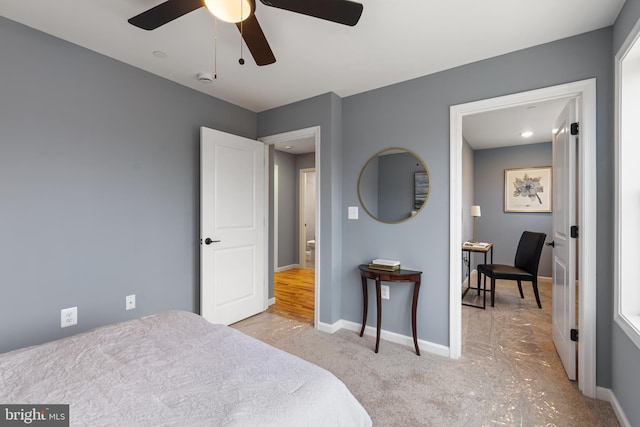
241 12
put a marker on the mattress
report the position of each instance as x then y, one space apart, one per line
176 369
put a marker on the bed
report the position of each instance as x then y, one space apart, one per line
176 369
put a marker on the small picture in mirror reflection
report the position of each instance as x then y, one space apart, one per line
421 189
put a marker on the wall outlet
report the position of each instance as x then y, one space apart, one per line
68 317
384 291
130 302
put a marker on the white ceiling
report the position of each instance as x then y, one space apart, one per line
298 146
394 41
502 128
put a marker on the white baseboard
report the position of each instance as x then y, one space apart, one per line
286 267
330 328
427 346
608 395
271 301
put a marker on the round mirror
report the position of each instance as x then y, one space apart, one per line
394 185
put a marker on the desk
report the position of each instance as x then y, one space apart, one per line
389 276
485 250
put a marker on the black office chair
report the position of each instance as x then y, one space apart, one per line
525 266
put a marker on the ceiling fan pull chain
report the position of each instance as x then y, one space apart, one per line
215 47
241 60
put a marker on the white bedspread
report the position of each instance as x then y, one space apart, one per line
177 369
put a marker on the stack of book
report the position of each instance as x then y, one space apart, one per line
482 245
385 264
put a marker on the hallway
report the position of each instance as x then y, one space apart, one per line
294 291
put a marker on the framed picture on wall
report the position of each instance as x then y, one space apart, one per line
527 189
421 189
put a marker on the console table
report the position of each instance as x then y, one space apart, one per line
389 276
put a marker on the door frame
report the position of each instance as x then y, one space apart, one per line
310 132
275 215
585 92
302 197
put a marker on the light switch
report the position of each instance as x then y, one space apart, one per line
353 212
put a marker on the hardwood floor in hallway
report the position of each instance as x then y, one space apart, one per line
294 291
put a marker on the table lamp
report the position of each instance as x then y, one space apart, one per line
475 213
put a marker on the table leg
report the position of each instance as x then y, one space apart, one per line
365 304
485 261
414 307
379 321
484 296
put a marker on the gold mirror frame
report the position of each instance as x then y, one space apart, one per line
387 151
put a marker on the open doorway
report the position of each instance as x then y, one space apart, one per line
294 221
584 92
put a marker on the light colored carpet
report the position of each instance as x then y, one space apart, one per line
509 375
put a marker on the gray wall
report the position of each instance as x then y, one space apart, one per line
468 200
324 111
287 208
468 193
99 187
415 114
505 228
625 361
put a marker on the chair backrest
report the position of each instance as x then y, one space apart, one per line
529 251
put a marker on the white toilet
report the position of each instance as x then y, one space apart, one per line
311 250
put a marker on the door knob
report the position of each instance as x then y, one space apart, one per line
551 243
208 241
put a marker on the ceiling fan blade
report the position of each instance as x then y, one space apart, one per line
256 41
341 11
164 13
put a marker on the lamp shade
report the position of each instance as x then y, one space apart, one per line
230 10
475 210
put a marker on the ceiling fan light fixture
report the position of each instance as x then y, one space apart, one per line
231 10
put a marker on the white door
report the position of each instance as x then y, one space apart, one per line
232 227
564 251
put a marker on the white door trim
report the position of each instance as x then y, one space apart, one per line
313 132
585 91
302 196
275 215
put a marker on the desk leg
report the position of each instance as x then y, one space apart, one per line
365 304
484 296
485 261
379 321
414 307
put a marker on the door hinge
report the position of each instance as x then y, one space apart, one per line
574 335
574 231
575 128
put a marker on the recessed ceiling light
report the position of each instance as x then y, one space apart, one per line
526 134
288 147
159 54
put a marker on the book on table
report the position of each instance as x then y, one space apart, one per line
385 264
482 245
